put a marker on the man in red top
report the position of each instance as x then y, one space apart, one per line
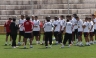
7 25
28 31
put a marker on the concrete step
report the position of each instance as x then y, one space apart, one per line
28 2
47 11
47 6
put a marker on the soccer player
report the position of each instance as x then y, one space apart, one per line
75 28
68 33
57 29
14 29
48 32
48 17
80 30
91 29
7 27
94 21
21 29
36 29
86 31
28 31
32 18
63 22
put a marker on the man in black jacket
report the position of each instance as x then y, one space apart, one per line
14 29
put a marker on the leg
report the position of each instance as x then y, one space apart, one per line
60 37
46 38
65 38
70 38
50 38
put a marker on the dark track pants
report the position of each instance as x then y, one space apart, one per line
67 37
48 37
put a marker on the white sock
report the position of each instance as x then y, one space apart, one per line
30 45
56 41
6 42
37 42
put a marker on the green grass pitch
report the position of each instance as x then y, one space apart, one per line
39 51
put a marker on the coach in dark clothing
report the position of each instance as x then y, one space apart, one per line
14 28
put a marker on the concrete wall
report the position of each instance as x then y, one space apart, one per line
42 8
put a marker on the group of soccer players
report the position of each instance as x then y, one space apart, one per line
72 27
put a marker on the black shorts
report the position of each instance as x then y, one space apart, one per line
79 33
94 31
27 35
8 33
56 34
36 33
91 34
21 33
86 34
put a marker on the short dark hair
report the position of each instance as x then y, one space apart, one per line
14 19
74 15
89 18
48 17
68 16
10 18
36 16
62 16
28 18
22 15
55 17
93 15
86 18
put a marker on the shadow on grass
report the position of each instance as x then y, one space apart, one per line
23 48
8 48
44 48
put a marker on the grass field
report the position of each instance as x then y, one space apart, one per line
39 51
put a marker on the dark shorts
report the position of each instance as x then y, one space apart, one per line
21 33
94 31
91 34
86 34
79 33
8 33
56 34
36 33
27 35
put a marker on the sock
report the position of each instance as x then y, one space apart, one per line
6 42
37 42
56 41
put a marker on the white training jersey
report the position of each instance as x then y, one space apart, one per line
74 23
58 25
68 27
36 26
80 24
48 27
31 20
94 23
21 22
86 29
63 23
90 26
